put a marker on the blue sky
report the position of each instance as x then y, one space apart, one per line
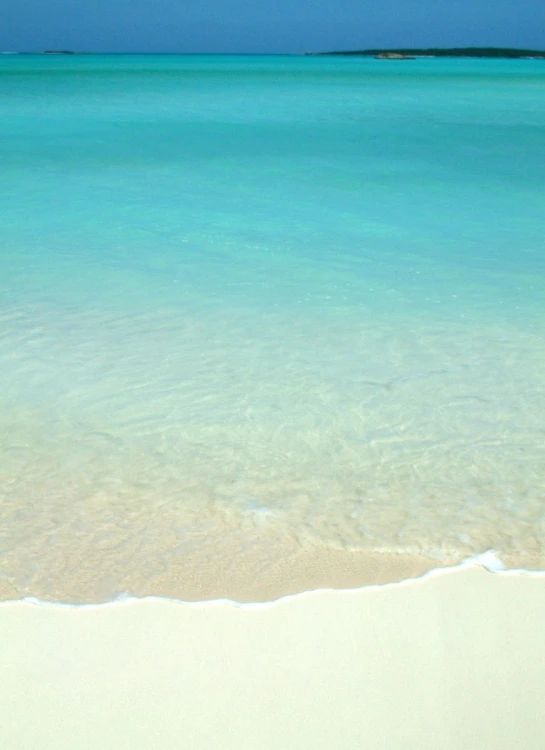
267 25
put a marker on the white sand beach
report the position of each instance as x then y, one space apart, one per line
453 660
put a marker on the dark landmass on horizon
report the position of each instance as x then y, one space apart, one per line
390 53
399 53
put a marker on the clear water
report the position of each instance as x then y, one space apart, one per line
255 306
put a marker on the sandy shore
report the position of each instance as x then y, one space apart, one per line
454 660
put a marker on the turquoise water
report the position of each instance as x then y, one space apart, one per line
252 306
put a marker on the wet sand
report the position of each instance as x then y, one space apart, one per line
226 568
452 660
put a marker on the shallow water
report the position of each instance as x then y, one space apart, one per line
253 307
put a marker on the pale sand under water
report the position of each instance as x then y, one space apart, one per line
453 660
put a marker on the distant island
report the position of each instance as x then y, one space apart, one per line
411 54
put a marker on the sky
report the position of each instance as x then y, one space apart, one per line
267 26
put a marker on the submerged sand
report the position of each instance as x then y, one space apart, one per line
262 571
144 453
453 660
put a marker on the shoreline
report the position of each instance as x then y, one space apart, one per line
488 561
261 574
455 659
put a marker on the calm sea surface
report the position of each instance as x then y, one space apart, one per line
255 306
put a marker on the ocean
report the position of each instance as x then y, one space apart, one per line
266 316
